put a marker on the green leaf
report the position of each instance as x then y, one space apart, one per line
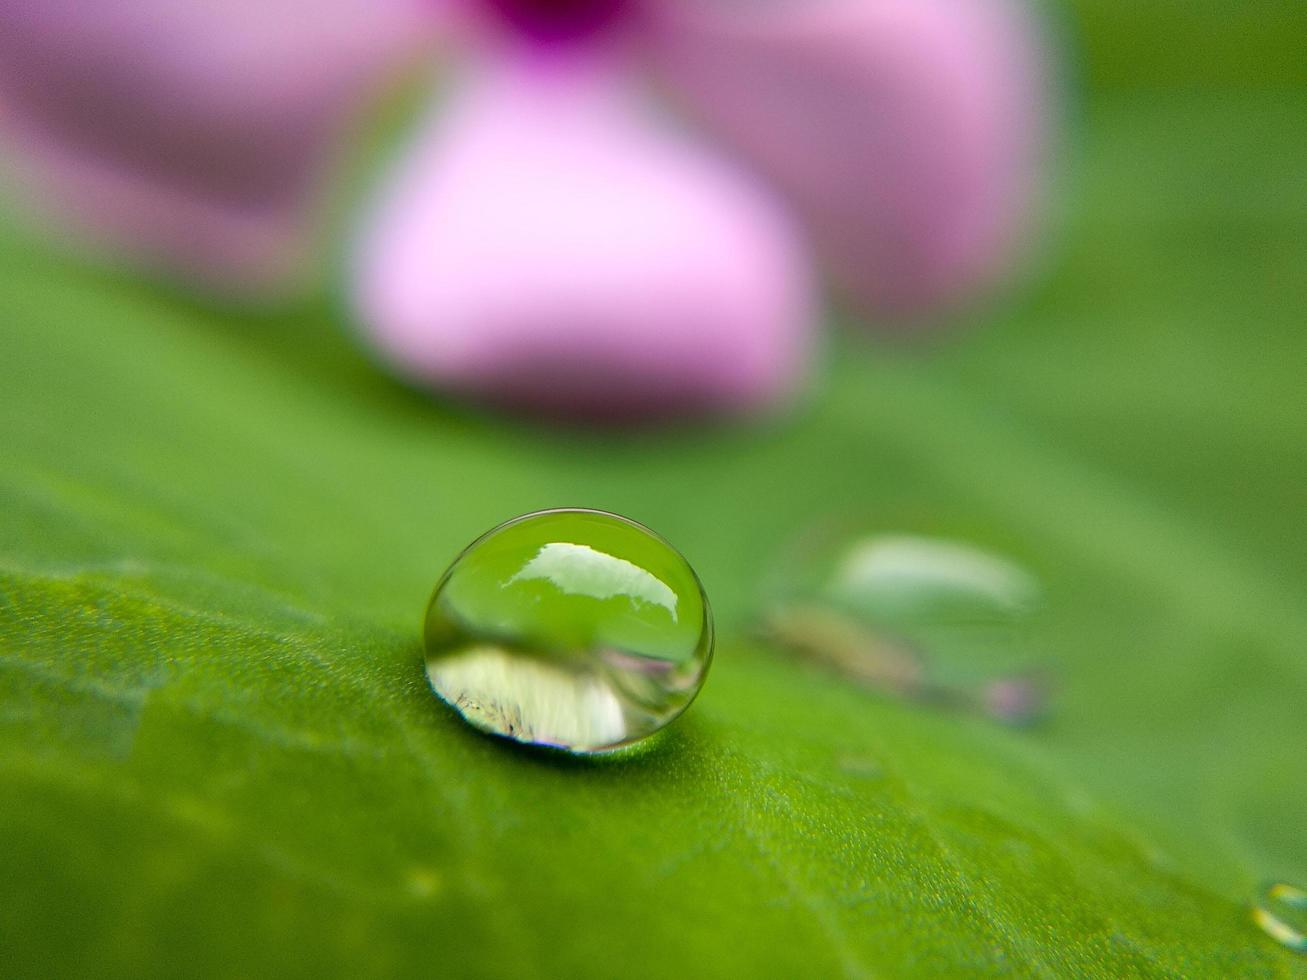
218 753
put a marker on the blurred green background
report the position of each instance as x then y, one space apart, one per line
218 753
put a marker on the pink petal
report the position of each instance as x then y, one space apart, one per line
908 131
189 136
550 246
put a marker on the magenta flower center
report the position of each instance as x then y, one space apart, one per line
559 20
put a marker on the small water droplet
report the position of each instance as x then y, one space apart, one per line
932 620
1281 913
573 628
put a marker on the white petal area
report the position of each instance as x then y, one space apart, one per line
578 569
529 701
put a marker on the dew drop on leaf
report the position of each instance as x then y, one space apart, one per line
575 629
920 618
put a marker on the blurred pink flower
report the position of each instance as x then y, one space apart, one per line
547 245
908 133
553 241
190 136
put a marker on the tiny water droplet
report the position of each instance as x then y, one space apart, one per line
1281 912
576 629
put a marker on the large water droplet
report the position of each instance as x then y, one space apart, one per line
570 628
1282 915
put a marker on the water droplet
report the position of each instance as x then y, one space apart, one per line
1282 914
921 618
570 628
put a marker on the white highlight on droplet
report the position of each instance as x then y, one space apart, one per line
905 563
578 569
